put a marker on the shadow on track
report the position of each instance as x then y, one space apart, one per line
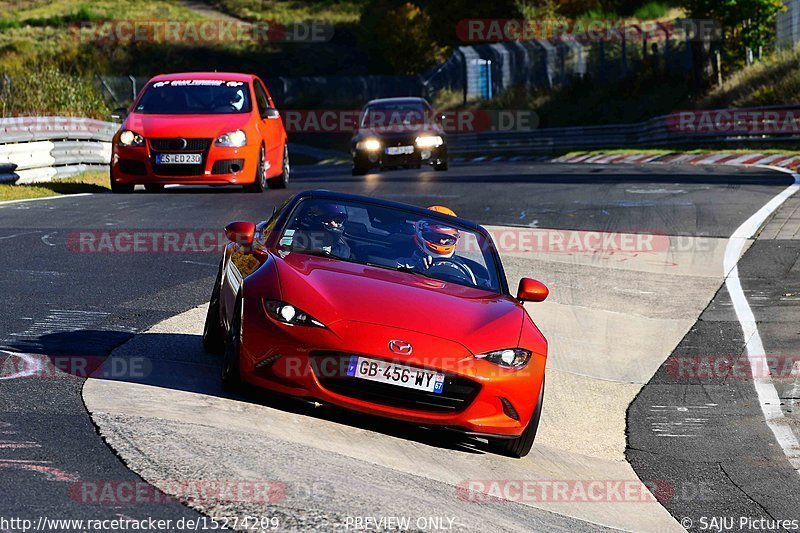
178 361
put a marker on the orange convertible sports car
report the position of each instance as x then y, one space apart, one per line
201 129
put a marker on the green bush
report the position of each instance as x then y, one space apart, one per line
49 91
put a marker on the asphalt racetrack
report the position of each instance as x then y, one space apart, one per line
654 417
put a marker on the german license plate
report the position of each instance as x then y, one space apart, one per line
179 159
399 150
395 374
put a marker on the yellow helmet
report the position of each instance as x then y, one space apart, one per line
443 210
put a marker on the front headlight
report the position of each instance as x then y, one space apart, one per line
429 141
511 357
289 314
130 138
369 145
232 139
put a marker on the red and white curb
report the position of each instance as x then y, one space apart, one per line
777 160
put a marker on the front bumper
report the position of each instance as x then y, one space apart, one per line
419 157
219 166
311 363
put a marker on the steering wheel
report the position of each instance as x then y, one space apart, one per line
449 267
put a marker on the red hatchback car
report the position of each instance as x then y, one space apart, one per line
382 308
201 129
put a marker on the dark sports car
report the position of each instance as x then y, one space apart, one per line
398 132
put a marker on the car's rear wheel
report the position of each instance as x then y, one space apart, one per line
260 182
231 380
521 446
280 182
213 335
154 187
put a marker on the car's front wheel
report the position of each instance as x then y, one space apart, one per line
233 345
521 446
260 183
121 188
359 169
280 182
213 334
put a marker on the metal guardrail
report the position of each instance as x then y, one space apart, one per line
45 148
36 149
731 127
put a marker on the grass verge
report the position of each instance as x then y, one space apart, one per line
94 181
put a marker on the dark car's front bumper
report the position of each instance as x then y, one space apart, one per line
381 158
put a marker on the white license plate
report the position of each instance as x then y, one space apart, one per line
401 375
399 150
179 159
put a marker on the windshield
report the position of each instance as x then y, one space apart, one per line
195 97
394 115
391 238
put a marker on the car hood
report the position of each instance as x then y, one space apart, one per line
192 126
332 291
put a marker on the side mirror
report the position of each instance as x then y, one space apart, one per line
531 290
240 232
271 112
119 113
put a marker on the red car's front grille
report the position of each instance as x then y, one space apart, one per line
456 395
180 144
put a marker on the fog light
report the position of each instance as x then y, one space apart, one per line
426 154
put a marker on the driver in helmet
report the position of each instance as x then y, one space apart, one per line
320 228
435 248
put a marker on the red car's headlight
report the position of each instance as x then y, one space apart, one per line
289 314
130 138
511 357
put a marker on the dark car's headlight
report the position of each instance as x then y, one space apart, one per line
289 314
429 141
510 357
130 138
369 145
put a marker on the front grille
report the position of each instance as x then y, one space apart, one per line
456 395
228 166
176 145
131 166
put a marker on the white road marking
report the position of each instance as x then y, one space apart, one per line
46 238
33 365
9 202
765 388
18 235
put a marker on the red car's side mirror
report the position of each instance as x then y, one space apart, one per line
240 232
531 290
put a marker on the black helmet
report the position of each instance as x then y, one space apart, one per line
324 216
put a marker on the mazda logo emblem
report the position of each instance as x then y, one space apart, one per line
400 347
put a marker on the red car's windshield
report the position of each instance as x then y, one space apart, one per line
195 97
392 238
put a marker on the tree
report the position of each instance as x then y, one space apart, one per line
399 36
